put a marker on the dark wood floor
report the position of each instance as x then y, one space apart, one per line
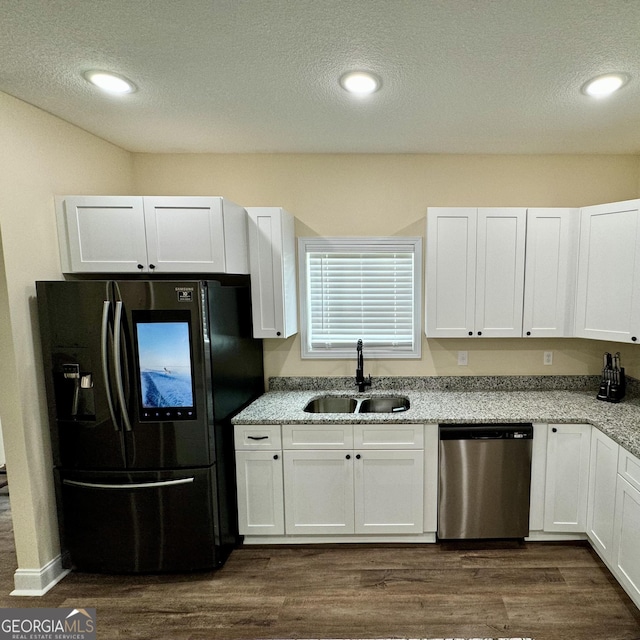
544 591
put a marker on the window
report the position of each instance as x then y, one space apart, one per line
360 288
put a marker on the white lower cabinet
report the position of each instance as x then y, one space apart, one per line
626 537
388 492
318 492
626 540
338 492
603 473
567 477
353 479
259 479
260 504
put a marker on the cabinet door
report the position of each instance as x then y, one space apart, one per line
451 272
626 544
566 486
101 234
550 271
260 492
608 290
389 491
500 272
318 492
629 468
185 235
273 272
603 472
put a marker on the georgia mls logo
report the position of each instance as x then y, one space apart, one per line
47 624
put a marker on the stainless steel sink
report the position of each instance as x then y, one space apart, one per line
331 404
342 404
384 404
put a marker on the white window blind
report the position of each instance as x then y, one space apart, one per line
361 289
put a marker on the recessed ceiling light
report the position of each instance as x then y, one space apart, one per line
605 85
110 82
360 83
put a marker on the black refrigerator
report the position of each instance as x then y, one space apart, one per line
143 378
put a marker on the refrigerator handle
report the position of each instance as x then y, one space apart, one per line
104 339
133 485
117 337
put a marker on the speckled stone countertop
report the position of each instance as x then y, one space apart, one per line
477 401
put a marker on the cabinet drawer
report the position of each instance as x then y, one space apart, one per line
257 437
388 436
317 436
629 468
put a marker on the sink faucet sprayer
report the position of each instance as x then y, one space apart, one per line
361 381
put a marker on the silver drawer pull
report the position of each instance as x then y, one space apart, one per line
133 485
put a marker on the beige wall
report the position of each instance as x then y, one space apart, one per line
41 156
389 195
329 194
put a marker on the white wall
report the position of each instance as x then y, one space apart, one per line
41 156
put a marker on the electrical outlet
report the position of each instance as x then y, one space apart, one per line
463 358
548 357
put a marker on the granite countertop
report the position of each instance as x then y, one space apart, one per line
620 421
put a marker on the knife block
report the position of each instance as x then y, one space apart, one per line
612 386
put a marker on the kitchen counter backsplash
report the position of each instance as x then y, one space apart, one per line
452 383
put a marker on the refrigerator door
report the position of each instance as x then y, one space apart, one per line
164 381
143 521
76 328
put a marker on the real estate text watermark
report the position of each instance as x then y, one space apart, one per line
47 624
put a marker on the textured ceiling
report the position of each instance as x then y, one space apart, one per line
229 76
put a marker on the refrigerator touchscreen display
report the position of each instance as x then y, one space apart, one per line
164 362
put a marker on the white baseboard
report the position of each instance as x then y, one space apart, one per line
36 582
409 538
544 536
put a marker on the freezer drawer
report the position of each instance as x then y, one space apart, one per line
140 522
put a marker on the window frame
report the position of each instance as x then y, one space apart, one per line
317 244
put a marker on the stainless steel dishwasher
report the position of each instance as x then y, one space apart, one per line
485 479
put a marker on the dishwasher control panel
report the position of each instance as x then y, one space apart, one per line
501 431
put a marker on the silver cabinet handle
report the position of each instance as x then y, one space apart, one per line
134 485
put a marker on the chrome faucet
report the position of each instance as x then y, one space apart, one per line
361 381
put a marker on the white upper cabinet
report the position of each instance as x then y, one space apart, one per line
101 233
500 272
475 272
451 272
273 272
195 234
550 272
608 289
136 234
